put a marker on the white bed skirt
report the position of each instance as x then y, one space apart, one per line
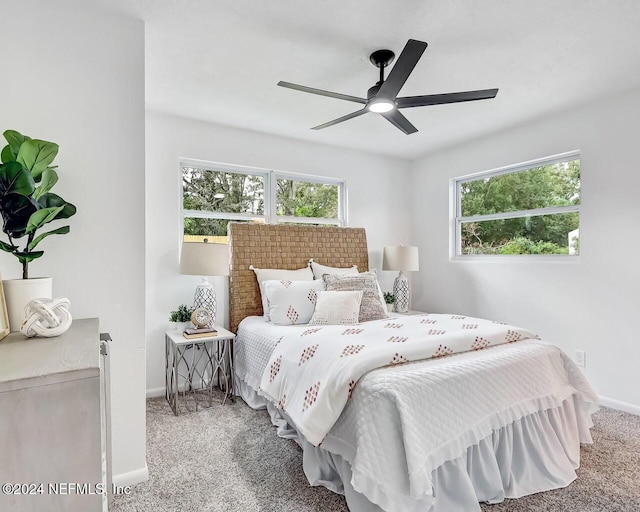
536 453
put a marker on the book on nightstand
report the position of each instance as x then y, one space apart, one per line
199 333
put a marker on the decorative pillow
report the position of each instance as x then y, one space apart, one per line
292 302
268 274
320 270
337 308
372 307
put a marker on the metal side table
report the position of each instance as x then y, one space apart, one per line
195 366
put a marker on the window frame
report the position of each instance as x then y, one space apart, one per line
270 178
456 218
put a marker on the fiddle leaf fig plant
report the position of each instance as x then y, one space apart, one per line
26 202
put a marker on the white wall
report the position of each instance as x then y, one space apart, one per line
75 76
376 190
590 305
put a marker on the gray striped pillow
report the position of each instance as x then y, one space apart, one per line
371 307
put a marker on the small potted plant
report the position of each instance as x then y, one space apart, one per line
181 318
27 206
390 299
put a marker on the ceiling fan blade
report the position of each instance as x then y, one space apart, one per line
439 99
321 92
399 121
341 119
408 59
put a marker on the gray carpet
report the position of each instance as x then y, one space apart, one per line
230 459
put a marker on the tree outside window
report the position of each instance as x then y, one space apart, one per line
525 211
214 195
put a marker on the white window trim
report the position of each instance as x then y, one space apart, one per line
456 219
270 195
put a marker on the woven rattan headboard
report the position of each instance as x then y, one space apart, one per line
287 247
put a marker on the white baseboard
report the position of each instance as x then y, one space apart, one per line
136 476
154 392
620 406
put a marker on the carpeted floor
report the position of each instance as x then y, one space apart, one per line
229 459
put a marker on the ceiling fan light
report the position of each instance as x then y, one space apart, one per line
381 106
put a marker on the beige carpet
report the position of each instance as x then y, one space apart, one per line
230 459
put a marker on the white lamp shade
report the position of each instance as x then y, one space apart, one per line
204 259
400 257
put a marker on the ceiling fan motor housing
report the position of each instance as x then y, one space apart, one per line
371 93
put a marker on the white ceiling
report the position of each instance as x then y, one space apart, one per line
219 61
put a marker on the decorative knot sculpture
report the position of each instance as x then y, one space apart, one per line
46 317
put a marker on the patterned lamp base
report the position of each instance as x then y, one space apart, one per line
402 293
205 297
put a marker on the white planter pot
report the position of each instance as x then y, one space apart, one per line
19 292
180 326
390 308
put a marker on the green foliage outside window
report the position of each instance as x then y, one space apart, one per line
229 192
205 227
304 199
219 191
540 187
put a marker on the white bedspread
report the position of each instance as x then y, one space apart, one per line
404 421
313 372
252 349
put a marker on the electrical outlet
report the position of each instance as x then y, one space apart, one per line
580 357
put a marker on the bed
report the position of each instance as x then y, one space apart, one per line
439 434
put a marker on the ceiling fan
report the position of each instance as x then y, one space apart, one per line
383 99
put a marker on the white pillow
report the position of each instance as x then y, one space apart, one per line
320 270
337 308
292 302
268 274
372 306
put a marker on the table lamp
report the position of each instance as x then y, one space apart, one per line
205 259
405 259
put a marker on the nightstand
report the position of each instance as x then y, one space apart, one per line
195 366
409 313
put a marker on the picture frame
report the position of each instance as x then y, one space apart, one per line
4 316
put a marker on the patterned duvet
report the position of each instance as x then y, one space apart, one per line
402 421
313 371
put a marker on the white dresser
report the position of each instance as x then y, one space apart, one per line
53 422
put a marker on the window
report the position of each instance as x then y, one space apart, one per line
215 194
530 208
302 201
